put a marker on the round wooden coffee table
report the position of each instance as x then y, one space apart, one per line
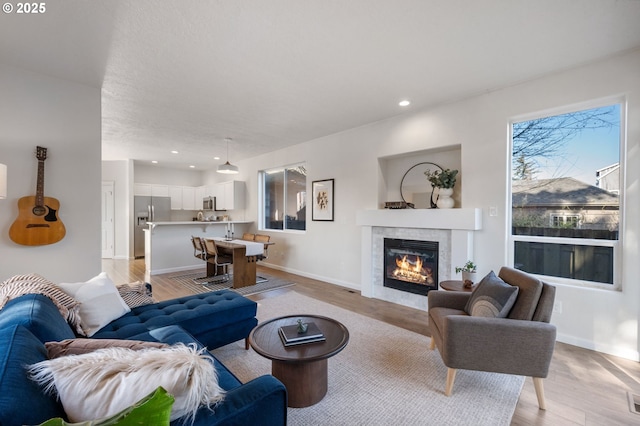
301 368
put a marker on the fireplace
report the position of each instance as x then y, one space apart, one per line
411 265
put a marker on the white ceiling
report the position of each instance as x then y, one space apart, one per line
272 73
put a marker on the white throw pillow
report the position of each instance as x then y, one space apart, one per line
100 302
102 383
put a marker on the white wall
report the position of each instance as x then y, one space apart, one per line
65 118
603 320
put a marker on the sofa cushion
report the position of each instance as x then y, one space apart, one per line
20 285
528 295
21 400
102 383
100 302
39 315
85 346
215 318
492 298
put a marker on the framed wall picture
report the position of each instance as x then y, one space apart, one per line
322 200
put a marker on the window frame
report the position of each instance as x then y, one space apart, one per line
261 199
615 244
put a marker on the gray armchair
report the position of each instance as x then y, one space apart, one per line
522 343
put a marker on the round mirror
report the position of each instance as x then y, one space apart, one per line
415 188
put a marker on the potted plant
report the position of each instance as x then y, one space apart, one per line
468 273
444 180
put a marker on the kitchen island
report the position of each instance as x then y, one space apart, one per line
168 248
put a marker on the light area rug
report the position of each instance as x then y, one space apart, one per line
196 282
385 376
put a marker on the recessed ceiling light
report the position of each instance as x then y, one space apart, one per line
174 152
154 162
192 166
404 103
216 158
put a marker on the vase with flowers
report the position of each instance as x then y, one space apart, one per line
444 180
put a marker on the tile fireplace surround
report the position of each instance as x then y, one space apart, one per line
453 229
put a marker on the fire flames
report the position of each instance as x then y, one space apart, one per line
413 271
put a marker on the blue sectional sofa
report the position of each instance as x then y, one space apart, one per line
211 319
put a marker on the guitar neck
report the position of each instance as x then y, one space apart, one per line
40 185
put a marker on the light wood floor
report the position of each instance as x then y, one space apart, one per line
583 388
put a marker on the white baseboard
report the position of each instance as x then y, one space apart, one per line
598 347
178 269
313 276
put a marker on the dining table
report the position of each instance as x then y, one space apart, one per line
245 255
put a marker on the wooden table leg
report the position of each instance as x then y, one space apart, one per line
244 268
306 382
211 270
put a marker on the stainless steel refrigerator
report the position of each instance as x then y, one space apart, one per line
147 209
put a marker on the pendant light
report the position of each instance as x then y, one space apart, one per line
227 168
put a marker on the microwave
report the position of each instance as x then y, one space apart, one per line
208 203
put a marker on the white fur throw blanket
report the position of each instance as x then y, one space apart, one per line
102 383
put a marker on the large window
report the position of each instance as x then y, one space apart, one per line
566 188
283 200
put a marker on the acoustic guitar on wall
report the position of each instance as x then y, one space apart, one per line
38 223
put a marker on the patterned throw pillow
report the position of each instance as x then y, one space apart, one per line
492 298
19 285
135 294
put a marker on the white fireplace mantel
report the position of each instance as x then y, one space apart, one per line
461 219
455 227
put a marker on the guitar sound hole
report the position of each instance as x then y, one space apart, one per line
39 210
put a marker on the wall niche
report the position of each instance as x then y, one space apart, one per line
416 189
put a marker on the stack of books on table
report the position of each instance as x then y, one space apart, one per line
290 336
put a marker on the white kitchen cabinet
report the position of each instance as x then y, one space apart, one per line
230 195
189 201
175 192
200 194
149 189
159 190
182 197
142 189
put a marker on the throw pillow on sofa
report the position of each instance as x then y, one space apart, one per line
102 383
19 285
492 298
135 294
100 302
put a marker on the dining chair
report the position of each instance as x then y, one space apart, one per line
248 237
221 261
259 238
198 248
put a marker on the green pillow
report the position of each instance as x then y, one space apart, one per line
154 409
